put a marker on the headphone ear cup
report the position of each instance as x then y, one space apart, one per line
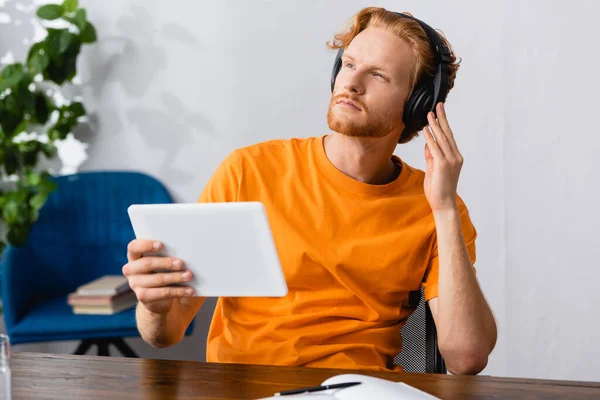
337 65
417 107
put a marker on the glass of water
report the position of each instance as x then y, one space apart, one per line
5 386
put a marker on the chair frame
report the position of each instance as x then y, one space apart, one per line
433 360
103 347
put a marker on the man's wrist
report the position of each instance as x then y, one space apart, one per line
446 215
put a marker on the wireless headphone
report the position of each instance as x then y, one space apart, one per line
428 92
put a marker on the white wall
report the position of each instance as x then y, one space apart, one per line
176 85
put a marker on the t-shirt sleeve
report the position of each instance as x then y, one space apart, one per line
224 184
430 281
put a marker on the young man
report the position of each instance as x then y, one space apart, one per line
356 228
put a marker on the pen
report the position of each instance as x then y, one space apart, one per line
318 388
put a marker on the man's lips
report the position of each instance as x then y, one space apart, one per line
349 103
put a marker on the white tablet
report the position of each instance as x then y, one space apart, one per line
228 246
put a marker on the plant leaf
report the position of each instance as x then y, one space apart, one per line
53 42
80 19
50 11
10 212
20 128
53 134
21 195
42 109
64 67
10 123
17 235
54 72
24 97
11 160
12 69
88 34
11 76
64 41
38 58
34 179
46 186
70 67
35 214
77 109
70 5
30 153
38 200
49 150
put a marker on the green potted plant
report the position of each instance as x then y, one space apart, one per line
32 121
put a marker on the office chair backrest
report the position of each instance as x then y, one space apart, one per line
420 351
83 229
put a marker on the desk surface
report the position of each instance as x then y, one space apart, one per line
50 376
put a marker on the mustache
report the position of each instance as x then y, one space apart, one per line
345 96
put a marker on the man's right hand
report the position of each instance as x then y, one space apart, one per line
149 279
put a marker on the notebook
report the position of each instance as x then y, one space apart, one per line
370 388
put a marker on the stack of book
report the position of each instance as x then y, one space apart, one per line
106 295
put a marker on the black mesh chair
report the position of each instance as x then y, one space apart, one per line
420 351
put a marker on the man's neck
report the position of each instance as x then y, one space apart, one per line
367 160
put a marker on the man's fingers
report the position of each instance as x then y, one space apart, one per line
148 295
159 280
428 154
442 122
440 136
445 142
147 265
434 149
138 247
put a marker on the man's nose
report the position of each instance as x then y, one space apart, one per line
353 84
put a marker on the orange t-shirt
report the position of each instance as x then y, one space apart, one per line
351 252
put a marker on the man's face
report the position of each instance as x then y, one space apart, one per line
372 85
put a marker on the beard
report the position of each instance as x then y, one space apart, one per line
369 125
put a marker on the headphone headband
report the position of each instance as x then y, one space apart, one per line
442 59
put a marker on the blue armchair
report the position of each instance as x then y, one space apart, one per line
82 233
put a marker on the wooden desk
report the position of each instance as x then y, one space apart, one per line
49 376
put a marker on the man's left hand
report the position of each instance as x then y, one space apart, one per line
444 162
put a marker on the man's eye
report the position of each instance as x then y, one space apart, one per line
378 75
349 65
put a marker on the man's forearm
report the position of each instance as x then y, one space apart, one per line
163 330
467 330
